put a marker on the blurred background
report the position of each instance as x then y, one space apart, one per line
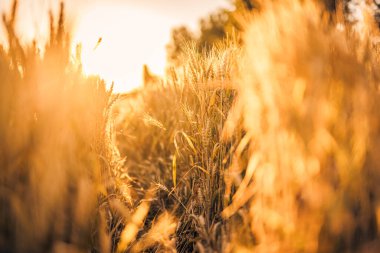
133 33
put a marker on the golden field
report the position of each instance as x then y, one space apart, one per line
267 142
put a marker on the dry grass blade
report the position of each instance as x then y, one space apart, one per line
159 235
174 168
134 224
188 140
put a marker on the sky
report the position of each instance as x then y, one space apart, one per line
133 32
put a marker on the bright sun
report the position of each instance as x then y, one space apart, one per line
130 37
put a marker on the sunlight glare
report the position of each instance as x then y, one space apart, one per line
130 37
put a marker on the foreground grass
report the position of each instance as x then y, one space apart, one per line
55 151
310 100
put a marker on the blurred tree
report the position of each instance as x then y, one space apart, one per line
218 25
180 36
212 29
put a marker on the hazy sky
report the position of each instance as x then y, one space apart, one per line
134 32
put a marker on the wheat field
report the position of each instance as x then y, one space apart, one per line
267 142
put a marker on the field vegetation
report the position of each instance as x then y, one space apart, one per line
267 140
